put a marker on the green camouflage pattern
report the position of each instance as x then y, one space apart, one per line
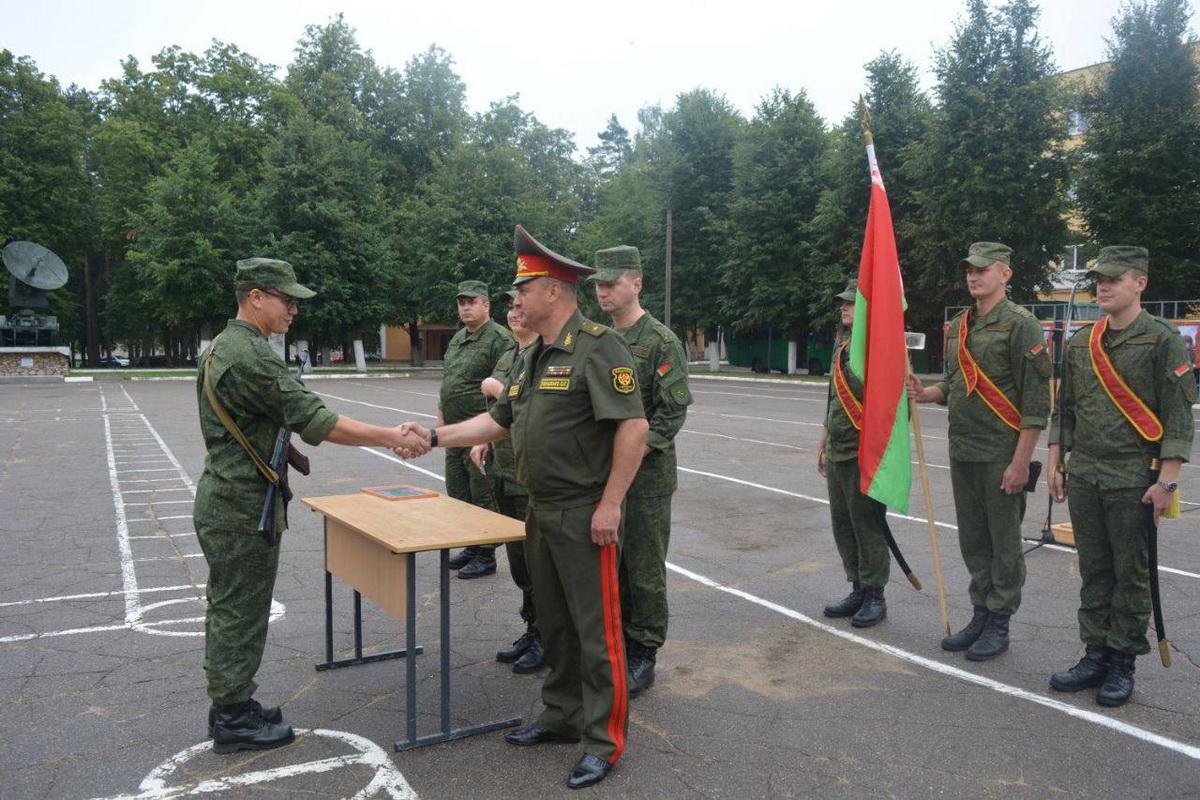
503 466
516 505
989 534
1104 448
842 442
643 570
857 525
1005 343
1115 260
662 375
471 357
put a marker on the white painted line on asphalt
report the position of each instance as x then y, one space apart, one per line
92 595
176 557
149 480
762 396
1093 717
160 489
163 502
758 419
399 460
128 471
744 439
373 405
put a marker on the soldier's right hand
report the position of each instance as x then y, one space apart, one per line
478 454
413 441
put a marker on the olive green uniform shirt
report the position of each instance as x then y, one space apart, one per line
261 395
562 409
842 442
1009 346
1105 449
471 357
662 377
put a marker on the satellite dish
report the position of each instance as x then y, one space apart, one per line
34 265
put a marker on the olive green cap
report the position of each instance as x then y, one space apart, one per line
472 289
269 273
507 296
1115 261
612 262
850 294
984 254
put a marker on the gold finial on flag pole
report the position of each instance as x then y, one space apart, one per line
864 119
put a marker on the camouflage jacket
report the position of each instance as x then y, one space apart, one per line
471 357
504 459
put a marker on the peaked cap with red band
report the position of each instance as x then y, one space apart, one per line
535 260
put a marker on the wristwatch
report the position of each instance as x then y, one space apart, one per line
1167 487
433 437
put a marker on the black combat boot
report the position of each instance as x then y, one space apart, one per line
532 659
483 563
1118 685
239 727
993 641
1091 671
269 713
967 636
874 608
640 667
511 654
463 557
847 607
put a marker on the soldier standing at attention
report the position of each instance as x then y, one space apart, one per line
857 520
527 654
254 387
579 430
997 388
1125 416
663 380
471 356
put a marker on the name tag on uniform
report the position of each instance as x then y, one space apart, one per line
558 372
514 390
555 384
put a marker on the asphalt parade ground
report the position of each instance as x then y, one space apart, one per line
757 695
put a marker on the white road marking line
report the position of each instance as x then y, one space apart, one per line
955 672
128 471
162 502
92 595
165 535
399 460
761 396
160 489
373 405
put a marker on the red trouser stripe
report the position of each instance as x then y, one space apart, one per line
615 639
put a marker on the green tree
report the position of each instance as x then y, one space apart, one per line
1140 181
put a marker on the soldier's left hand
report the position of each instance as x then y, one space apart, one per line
1158 497
1015 478
605 521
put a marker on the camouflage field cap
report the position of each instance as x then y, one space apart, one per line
535 260
472 289
984 254
612 262
269 273
851 292
506 296
1115 261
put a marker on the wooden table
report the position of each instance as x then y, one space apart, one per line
371 544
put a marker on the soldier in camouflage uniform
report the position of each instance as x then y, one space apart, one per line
260 395
1114 483
662 376
997 388
857 520
471 356
527 654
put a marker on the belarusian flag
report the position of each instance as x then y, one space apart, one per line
878 355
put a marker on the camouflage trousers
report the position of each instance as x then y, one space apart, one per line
643 573
989 534
857 526
1110 537
465 482
241 580
516 506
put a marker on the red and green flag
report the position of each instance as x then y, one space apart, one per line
879 356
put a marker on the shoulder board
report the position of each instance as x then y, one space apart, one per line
1021 311
593 328
1164 325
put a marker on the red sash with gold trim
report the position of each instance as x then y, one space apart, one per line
978 381
1129 404
850 404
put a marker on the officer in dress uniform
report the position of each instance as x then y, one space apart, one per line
663 379
1124 414
997 389
579 429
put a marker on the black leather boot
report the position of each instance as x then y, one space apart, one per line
847 607
874 609
511 654
269 713
532 659
239 727
1091 671
482 563
640 667
993 641
463 557
1118 684
967 636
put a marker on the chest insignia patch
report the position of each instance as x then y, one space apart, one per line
514 390
623 381
555 384
558 372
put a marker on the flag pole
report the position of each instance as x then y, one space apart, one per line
864 118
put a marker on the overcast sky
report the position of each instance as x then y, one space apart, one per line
572 63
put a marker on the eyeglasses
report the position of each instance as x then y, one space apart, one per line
292 303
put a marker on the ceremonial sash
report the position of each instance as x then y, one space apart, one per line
850 404
978 381
1129 404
